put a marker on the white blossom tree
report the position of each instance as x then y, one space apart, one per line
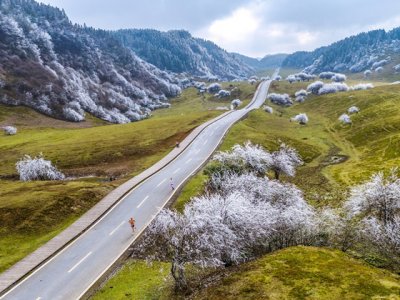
353 110
285 160
345 119
301 119
37 168
10 130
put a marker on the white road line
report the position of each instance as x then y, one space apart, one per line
188 161
205 142
176 171
141 203
38 298
118 227
79 262
161 182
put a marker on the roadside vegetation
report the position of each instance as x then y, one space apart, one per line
90 154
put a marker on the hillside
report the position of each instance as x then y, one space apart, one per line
293 273
365 51
177 51
65 70
267 62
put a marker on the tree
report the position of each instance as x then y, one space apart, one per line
10 130
301 118
379 197
37 168
285 160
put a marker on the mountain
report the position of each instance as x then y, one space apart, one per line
267 62
369 50
65 70
177 51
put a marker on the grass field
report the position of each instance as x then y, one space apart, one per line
89 152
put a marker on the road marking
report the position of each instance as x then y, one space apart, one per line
118 227
205 142
38 298
79 262
176 171
189 160
161 182
141 203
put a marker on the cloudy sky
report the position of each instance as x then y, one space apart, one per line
252 27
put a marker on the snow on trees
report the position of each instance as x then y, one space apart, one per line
345 119
326 75
235 103
353 110
10 130
300 77
377 201
246 158
379 70
301 93
339 77
302 119
222 94
315 87
285 161
280 99
214 88
379 197
379 64
277 78
331 88
300 99
362 86
367 73
37 168
268 109
244 216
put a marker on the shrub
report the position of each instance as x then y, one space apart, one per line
315 87
353 110
280 99
235 103
268 109
10 130
339 77
214 88
345 118
301 118
362 86
37 168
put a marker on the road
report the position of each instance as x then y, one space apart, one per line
70 273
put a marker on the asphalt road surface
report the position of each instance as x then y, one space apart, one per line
70 273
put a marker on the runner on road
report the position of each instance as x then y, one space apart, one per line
172 184
132 223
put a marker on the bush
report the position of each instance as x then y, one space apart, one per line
345 118
315 87
268 109
280 99
353 110
10 130
339 77
214 88
362 86
235 103
301 118
37 168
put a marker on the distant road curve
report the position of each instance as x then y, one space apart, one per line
71 272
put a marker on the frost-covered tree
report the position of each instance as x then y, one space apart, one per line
280 99
379 70
268 109
397 68
277 78
379 197
353 110
315 87
332 88
285 161
10 130
362 86
326 75
301 119
367 73
37 168
214 88
339 77
235 103
223 94
301 93
345 119
300 99
246 158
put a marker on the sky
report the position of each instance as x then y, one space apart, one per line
251 27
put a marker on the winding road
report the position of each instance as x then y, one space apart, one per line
70 273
